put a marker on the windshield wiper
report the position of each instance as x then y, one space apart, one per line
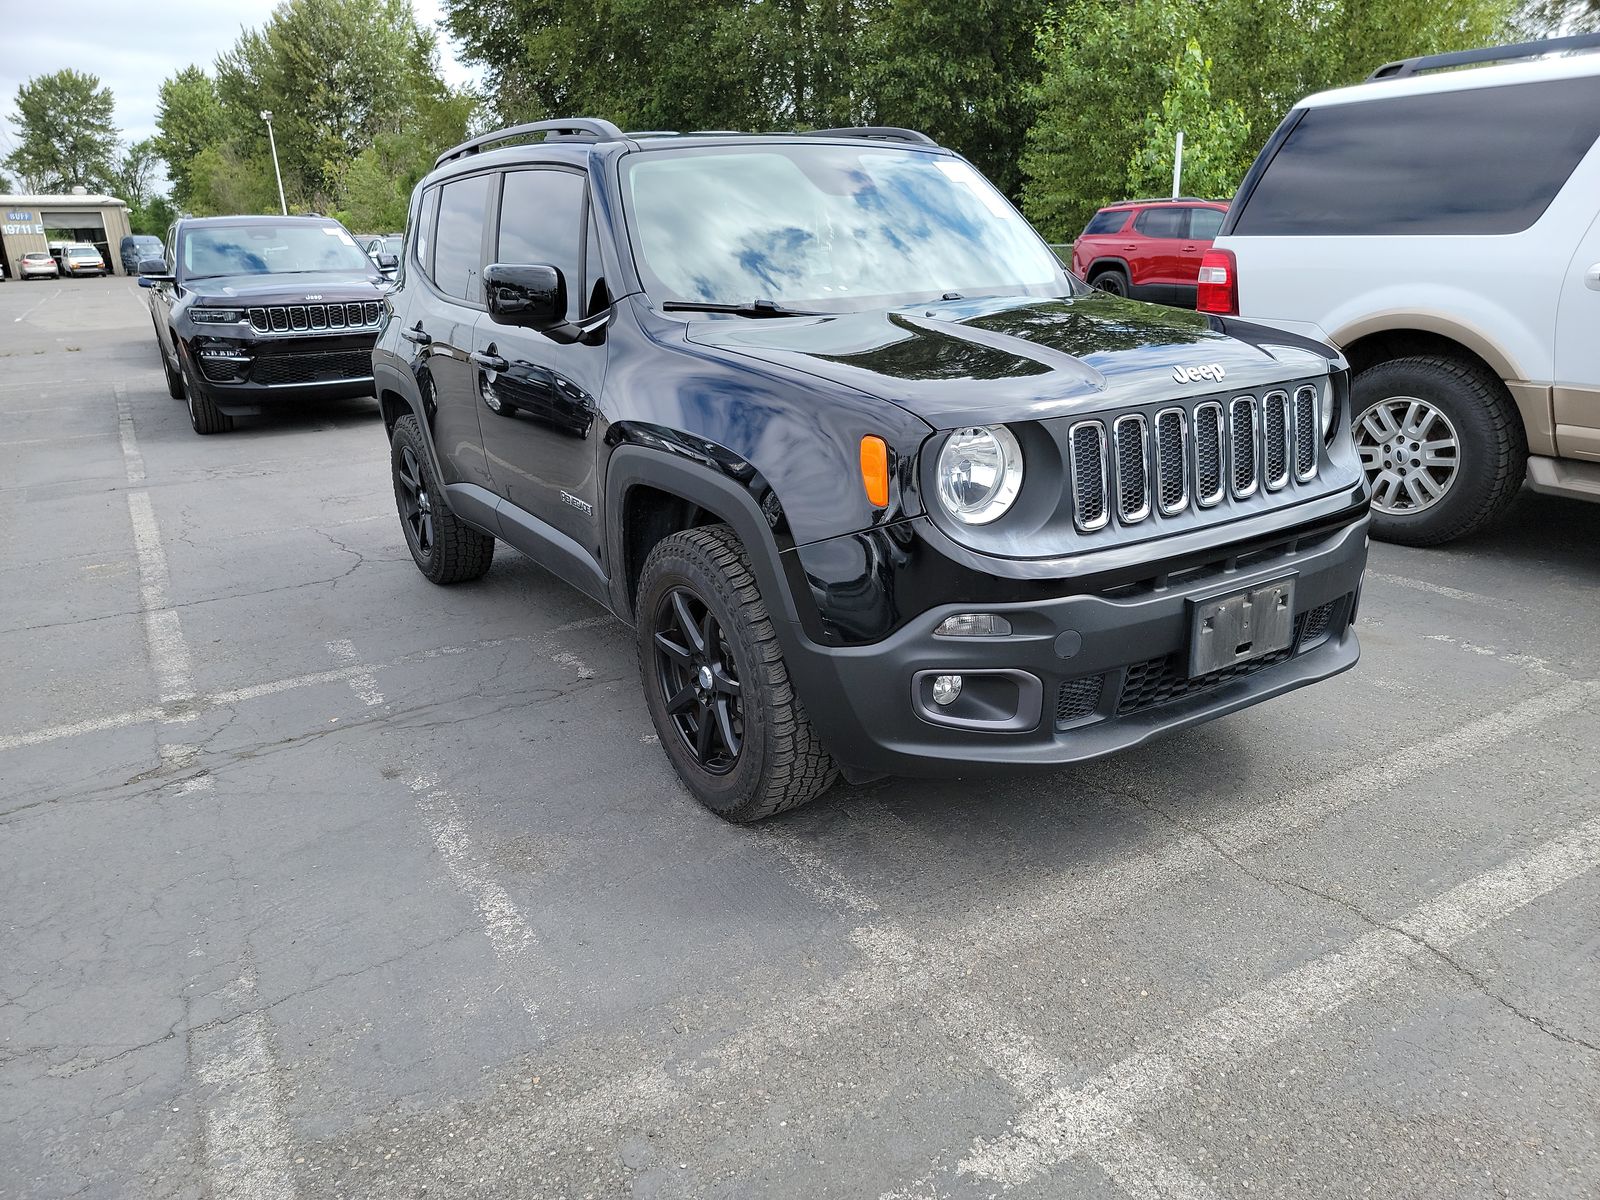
756 308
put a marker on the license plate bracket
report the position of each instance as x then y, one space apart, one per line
1226 631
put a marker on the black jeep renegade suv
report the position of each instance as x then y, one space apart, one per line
255 311
881 488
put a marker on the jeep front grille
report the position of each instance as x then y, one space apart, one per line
1136 466
315 318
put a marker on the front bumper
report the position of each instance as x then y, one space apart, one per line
1090 674
243 376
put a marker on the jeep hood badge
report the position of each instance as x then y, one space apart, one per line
1210 371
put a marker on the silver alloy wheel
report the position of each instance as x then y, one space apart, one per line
1410 452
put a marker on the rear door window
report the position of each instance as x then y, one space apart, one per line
1163 222
458 240
1204 223
1105 222
1480 161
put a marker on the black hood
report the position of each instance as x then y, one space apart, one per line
972 362
299 288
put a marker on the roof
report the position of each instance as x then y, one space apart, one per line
257 219
1508 74
70 201
1165 200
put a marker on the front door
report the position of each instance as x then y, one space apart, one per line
1577 390
537 389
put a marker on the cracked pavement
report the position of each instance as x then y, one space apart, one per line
402 899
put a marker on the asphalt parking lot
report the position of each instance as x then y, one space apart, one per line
319 881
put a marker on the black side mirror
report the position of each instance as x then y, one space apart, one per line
387 262
530 295
153 271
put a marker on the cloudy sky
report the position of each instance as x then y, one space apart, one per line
132 45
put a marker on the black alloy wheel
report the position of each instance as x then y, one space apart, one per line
698 681
416 506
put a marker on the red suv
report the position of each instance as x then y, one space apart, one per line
1148 249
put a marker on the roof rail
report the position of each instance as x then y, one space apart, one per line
1489 54
566 129
1167 200
887 133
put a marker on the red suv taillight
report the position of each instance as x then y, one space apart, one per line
1219 284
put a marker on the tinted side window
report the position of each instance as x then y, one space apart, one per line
1163 222
458 240
422 242
1106 222
1483 161
541 221
594 269
1204 223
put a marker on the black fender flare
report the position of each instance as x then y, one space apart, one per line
1109 260
728 499
385 378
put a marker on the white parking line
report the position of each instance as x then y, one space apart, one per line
1070 1121
245 1135
28 312
362 681
1438 589
509 934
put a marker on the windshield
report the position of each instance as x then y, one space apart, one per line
827 227
269 250
83 252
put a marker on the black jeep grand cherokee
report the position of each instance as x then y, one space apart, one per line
254 311
880 486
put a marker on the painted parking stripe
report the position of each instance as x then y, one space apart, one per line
1069 1121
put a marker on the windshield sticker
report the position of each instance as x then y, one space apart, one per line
968 177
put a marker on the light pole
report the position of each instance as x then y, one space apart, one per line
266 116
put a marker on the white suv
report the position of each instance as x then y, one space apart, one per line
1443 230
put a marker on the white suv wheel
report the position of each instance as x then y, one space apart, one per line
1410 452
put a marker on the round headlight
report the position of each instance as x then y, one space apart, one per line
980 473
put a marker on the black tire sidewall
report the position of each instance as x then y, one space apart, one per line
1118 277
722 794
1467 400
404 437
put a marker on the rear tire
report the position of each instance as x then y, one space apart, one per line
204 415
1461 411
1111 280
716 684
445 548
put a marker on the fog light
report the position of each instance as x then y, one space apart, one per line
973 625
946 688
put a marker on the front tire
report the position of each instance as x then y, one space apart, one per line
204 415
445 548
715 682
1442 446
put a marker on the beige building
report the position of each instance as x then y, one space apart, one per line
30 223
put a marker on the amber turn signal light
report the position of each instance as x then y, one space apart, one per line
875 470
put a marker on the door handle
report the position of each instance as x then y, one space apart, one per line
1190 249
1131 246
1591 278
489 361
417 335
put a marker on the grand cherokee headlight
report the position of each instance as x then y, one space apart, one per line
216 316
979 473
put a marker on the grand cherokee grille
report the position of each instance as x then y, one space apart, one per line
1131 467
307 318
321 367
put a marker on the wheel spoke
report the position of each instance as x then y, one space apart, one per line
427 530
1378 423
678 654
1434 458
702 735
681 699
1418 417
1384 488
723 682
1429 485
409 481
730 739
687 625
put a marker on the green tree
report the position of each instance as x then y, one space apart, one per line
154 217
135 171
961 71
66 136
1217 149
189 120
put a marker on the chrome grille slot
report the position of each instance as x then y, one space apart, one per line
297 317
1307 430
319 316
280 319
1172 484
1243 447
1133 468
1275 426
1210 481
1087 440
